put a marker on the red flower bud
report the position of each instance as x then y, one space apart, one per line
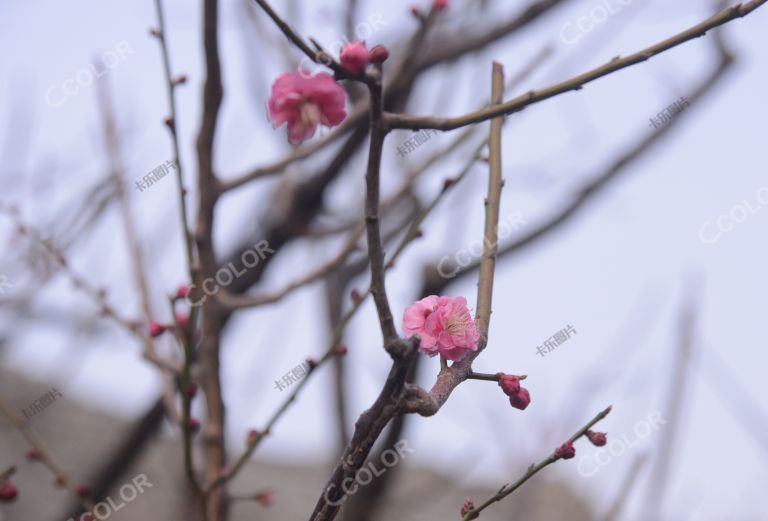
191 389
155 329
379 54
565 451
265 499
356 297
194 425
34 455
520 399
439 5
510 384
83 491
8 492
598 439
182 292
467 506
181 320
354 57
340 350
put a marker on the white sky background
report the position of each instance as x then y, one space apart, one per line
616 272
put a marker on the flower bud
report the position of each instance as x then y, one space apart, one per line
520 399
354 57
439 5
194 425
378 54
83 491
155 329
253 437
34 455
182 292
510 384
8 492
181 320
191 389
340 350
356 297
265 499
598 439
565 451
467 507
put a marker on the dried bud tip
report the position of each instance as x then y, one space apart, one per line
356 297
418 234
253 437
565 451
155 329
415 11
449 182
390 265
468 506
181 79
155 32
169 122
598 439
311 363
379 54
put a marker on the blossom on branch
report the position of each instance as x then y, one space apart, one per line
444 325
304 102
354 57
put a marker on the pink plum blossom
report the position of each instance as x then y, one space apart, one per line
444 325
303 102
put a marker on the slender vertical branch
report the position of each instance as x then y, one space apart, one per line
492 204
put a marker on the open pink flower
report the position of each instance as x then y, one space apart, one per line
445 326
303 102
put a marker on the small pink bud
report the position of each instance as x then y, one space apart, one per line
467 507
340 350
510 384
265 499
194 425
155 329
520 399
182 292
253 437
181 320
83 491
34 455
354 57
378 54
8 492
565 451
598 439
439 5
191 390
356 297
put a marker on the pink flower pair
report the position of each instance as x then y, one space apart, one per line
444 325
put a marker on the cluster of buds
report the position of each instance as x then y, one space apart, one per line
355 56
156 329
519 397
